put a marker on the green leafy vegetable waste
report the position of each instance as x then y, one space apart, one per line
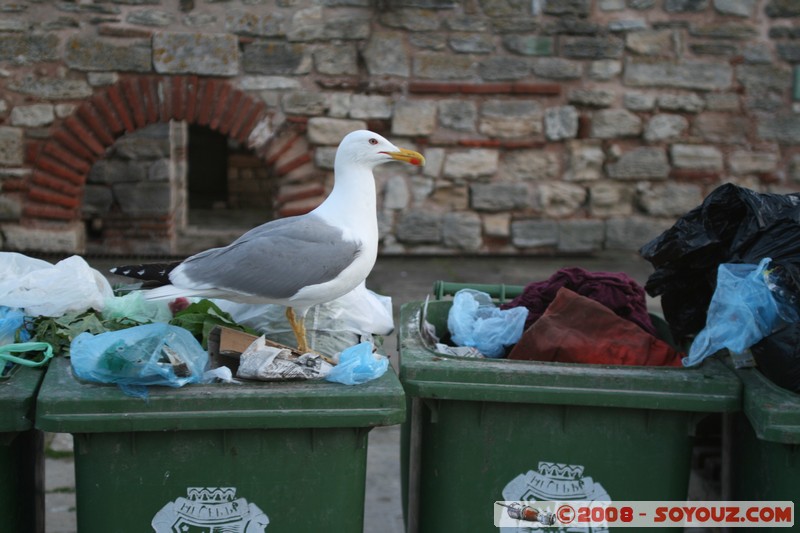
203 316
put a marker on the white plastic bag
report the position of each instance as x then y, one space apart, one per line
43 289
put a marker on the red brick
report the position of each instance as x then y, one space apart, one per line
241 114
258 112
584 127
80 132
226 122
56 169
192 87
107 113
32 150
485 88
131 92
119 105
220 104
480 143
522 145
14 185
147 86
38 210
178 93
48 181
68 141
52 198
92 119
277 153
433 87
295 163
544 89
57 152
212 88
694 175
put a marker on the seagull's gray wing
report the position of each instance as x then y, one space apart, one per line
274 260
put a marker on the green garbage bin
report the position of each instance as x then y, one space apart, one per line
221 457
21 447
485 430
766 441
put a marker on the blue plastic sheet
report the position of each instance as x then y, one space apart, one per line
474 320
358 365
743 311
134 358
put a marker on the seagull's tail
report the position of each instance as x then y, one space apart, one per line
154 272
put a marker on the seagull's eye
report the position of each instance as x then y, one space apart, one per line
373 141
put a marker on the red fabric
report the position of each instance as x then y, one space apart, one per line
616 290
576 329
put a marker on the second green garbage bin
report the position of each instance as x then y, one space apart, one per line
766 442
21 460
485 430
219 457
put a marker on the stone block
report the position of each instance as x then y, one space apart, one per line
276 58
580 236
670 199
693 156
560 199
385 54
69 238
458 115
417 117
462 230
613 123
210 54
11 146
747 162
499 196
664 127
631 233
330 131
534 233
508 119
33 116
29 47
640 163
586 161
145 198
470 164
610 200
420 227
685 75
533 164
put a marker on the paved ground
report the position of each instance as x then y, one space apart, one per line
405 280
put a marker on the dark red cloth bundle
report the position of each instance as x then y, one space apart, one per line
615 290
576 329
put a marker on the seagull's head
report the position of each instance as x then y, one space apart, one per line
369 149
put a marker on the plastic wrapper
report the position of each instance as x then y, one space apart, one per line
357 365
743 311
133 306
42 289
732 225
137 357
474 320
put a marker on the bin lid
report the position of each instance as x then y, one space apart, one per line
774 412
424 373
68 405
18 397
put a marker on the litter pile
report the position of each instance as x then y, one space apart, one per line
727 273
120 337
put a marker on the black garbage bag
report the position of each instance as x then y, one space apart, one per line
778 357
732 225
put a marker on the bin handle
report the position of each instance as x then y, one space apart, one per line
22 347
500 291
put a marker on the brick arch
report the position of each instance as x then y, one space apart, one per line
61 164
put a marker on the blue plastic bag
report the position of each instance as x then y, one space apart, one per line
358 365
474 320
12 322
743 310
133 358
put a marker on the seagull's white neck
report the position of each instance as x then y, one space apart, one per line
352 202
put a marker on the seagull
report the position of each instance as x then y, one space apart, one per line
299 261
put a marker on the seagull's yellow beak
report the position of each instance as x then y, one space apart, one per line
407 156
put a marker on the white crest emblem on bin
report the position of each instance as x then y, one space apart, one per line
214 509
554 482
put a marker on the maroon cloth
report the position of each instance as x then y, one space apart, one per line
575 329
615 290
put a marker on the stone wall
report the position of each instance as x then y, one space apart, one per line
549 126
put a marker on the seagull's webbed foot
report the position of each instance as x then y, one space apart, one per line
299 328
